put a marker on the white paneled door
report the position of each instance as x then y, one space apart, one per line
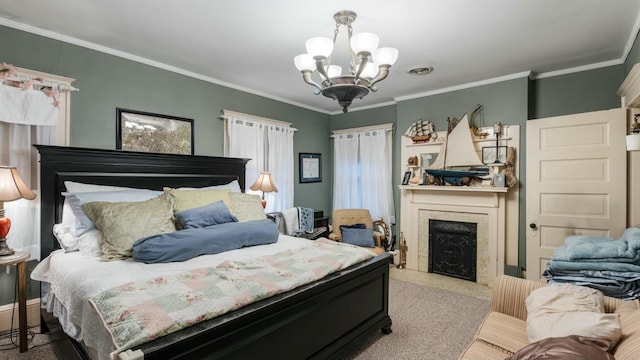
576 181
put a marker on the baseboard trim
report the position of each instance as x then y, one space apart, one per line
33 314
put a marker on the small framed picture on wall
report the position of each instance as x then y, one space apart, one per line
310 167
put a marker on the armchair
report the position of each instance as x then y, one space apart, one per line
352 217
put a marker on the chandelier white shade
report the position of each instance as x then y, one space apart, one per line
368 63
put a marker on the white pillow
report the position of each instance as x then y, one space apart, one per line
564 310
76 200
67 240
68 218
234 186
76 187
89 243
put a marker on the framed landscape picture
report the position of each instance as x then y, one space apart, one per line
156 133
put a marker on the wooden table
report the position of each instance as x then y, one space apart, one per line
19 258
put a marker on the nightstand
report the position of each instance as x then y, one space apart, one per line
19 258
321 222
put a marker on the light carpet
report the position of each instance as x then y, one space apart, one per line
428 323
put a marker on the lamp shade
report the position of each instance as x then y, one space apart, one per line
370 70
364 42
304 62
386 56
319 46
11 185
264 183
334 71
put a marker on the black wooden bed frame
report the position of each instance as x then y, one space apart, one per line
322 320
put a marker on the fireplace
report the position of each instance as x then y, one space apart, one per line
483 261
453 248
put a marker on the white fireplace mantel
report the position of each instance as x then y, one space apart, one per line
483 189
485 205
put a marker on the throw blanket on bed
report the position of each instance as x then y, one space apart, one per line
601 249
139 312
185 244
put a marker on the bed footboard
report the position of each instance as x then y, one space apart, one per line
324 320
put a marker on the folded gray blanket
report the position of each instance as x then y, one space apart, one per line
583 248
188 243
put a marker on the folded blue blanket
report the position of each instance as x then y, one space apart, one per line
188 243
627 289
601 249
558 265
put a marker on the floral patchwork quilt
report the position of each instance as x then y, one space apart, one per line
138 312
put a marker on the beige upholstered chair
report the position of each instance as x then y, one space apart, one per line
351 217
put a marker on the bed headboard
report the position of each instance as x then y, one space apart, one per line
122 168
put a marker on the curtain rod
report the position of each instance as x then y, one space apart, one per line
37 78
228 113
386 127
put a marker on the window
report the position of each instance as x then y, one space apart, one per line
269 145
362 170
44 121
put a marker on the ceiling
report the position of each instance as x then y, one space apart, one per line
250 44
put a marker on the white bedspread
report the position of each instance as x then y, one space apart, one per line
74 278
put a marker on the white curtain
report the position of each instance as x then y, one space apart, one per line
346 173
280 165
269 145
247 140
363 172
17 150
375 165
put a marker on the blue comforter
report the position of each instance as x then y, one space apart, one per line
188 243
583 248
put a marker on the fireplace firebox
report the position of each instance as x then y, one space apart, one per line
452 248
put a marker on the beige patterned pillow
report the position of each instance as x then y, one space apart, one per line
189 199
247 207
122 223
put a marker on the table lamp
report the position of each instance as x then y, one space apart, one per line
11 188
264 184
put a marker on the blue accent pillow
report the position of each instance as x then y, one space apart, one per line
354 226
359 237
212 214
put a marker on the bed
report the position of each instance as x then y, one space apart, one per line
321 320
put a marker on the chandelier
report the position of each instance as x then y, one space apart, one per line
368 64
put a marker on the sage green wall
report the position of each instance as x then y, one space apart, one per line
633 57
583 91
107 82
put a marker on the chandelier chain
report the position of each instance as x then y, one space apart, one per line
352 56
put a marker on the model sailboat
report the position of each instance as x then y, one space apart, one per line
457 157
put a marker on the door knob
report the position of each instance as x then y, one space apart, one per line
533 226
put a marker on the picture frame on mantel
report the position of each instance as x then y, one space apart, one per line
156 133
310 167
494 154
